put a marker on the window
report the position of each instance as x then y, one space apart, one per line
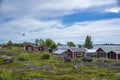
79 54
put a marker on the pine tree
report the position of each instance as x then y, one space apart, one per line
88 43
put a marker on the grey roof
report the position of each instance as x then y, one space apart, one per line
31 45
63 47
110 48
59 52
117 52
75 49
106 49
98 46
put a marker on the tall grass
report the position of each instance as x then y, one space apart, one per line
23 57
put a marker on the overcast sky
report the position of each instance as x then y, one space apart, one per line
60 20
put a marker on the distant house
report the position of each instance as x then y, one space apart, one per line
41 48
50 50
75 52
109 52
71 53
114 55
91 53
61 50
101 52
30 48
4 46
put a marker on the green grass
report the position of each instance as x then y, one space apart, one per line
60 69
15 50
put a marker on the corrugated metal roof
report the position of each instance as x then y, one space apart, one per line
98 46
106 49
110 48
75 49
59 52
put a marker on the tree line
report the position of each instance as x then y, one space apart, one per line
51 44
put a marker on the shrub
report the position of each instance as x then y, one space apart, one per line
2 59
5 75
23 57
45 56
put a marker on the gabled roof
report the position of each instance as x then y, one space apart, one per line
106 49
31 45
75 49
116 52
110 48
59 52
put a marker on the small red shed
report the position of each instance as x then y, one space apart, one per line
100 53
30 48
114 55
42 48
75 52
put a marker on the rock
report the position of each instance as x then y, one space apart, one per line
36 79
1 78
45 68
67 59
118 73
103 79
78 65
51 71
93 79
88 59
101 59
7 61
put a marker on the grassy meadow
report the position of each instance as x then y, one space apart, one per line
45 65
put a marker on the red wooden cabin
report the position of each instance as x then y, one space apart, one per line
114 55
30 48
100 53
75 52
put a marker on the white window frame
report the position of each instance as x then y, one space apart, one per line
79 54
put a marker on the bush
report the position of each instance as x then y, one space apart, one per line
23 57
2 59
45 56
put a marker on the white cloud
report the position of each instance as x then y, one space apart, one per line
25 16
113 10
107 30
52 8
